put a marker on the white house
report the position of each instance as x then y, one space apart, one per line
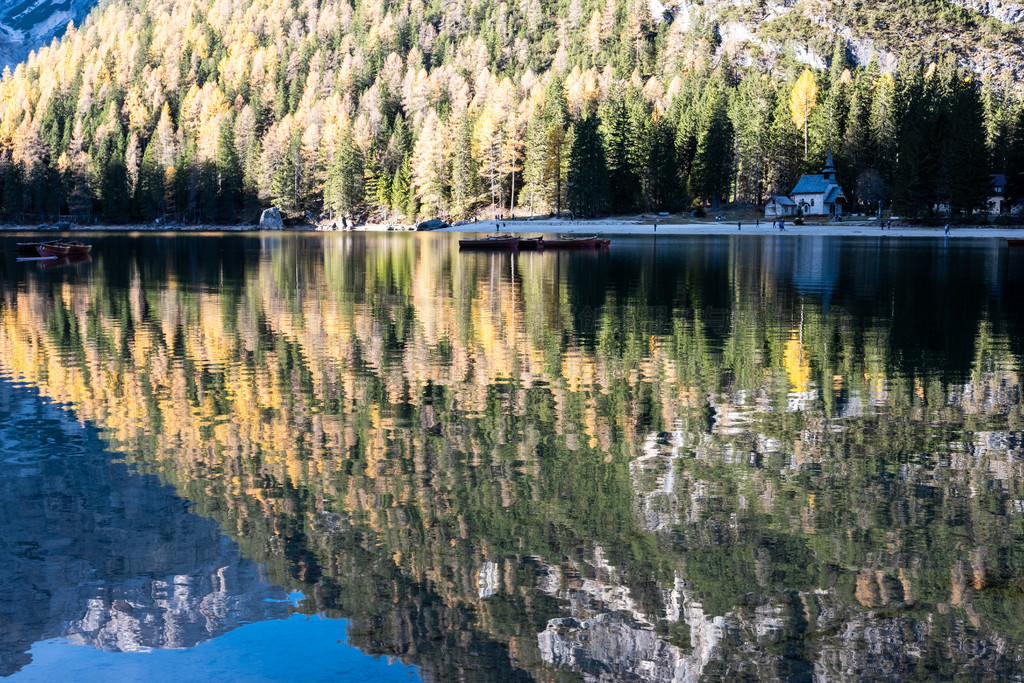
814 195
998 204
778 206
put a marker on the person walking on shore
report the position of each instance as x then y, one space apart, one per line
947 228
739 226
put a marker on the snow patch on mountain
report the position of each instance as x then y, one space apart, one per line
26 25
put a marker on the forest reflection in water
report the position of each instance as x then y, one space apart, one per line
679 458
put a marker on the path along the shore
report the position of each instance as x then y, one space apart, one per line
605 226
621 227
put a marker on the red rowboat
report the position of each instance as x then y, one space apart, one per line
570 242
1017 242
75 247
52 249
531 244
504 242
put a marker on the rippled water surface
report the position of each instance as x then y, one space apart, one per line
370 456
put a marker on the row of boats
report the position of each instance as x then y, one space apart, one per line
54 249
512 242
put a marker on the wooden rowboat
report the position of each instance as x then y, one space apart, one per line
571 242
52 249
33 247
531 244
77 248
1015 242
494 242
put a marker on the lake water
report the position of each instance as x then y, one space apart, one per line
351 456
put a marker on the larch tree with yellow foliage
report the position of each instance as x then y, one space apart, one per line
802 101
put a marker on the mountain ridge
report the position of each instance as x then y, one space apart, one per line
27 25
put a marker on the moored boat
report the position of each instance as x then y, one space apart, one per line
604 242
571 242
52 249
33 247
1015 242
531 243
502 242
77 248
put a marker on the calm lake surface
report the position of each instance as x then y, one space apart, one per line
348 456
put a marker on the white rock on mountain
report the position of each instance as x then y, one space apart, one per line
26 25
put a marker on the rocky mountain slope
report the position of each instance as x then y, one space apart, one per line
985 34
28 24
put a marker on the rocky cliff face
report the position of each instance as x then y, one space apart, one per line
983 34
27 24
1007 12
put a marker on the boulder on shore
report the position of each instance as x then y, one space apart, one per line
271 219
433 224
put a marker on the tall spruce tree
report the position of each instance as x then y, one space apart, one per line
712 169
587 182
964 183
1014 191
464 173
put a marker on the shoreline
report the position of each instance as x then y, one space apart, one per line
608 226
619 226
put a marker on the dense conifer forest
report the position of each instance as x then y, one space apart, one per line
207 111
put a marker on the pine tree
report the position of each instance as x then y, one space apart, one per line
711 173
665 187
1014 191
751 113
150 193
587 182
344 189
883 124
464 173
964 182
229 175
403 199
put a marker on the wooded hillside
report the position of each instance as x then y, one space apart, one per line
204 111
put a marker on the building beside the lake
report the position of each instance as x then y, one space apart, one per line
814 195
998 203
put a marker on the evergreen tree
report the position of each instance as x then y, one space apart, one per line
786 150
623 174
751 113
344 188
883 124
464 172
587 182
149 195
913 191
711 173
964 182
666 193
403 199
229 176
1014 191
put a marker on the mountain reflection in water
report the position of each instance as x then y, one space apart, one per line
683 458
99 556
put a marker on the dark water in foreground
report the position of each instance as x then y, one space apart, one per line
686 458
